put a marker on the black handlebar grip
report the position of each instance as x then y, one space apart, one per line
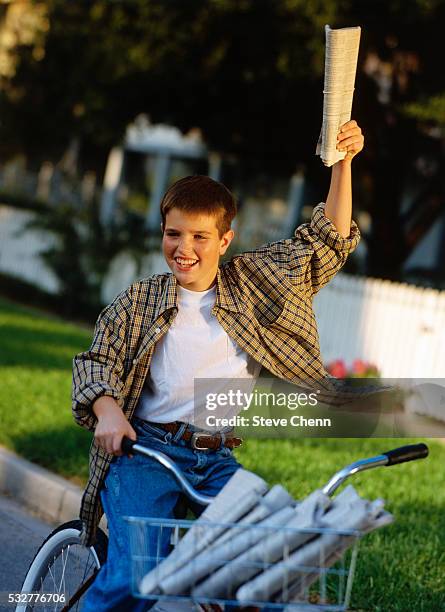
127 445
411 452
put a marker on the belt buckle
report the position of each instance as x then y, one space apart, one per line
193 444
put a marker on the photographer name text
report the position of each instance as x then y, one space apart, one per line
296 420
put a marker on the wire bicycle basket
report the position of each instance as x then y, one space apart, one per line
299 577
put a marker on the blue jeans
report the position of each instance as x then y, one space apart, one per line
141 486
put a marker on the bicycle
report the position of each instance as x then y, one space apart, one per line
64 568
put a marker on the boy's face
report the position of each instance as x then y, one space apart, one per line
192 248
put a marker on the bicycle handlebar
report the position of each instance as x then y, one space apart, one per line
410 452
127 445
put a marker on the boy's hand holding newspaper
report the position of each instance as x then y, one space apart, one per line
350 139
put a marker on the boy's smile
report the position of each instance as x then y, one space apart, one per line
192 247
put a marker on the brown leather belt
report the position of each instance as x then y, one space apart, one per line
201 441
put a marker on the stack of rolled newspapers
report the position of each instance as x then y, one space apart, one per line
251 543
342 47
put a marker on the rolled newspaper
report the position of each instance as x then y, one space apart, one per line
237 498
289 577
269 549
341 56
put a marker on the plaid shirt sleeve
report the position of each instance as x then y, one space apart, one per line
315 253
328 249
100 370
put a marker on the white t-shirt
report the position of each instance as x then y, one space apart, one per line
195 346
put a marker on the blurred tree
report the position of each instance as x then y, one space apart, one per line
238 69
402 119
249 74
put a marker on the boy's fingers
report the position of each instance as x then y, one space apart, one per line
350 139
129 433
343 144
132 435
108 444
117 444
111 441
348 133
348 125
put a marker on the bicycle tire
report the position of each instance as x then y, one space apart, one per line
78 562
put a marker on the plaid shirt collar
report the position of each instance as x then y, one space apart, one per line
226 297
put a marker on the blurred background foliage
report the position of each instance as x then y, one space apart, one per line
249 74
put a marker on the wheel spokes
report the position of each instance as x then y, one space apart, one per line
69 577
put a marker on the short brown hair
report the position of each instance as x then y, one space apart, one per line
201 194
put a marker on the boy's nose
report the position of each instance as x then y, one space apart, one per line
184 248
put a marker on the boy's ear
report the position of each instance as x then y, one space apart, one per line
162 228
225 241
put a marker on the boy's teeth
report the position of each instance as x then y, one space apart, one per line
186 262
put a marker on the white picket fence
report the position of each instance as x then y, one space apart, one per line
398 327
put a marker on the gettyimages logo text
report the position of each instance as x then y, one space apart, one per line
243 401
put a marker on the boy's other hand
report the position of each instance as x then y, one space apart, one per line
350 139
111 426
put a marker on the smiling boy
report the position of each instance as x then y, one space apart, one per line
201 321
192 246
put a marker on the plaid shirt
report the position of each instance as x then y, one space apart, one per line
263 301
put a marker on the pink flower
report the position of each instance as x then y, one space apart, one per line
359 367
337 368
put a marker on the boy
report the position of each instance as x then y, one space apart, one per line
200 321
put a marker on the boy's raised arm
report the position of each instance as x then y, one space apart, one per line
319 248
338 206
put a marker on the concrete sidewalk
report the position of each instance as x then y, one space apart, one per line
51 497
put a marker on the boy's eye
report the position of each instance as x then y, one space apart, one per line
199 237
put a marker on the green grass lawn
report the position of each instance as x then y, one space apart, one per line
401 567
36 353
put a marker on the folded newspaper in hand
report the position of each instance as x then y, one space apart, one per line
339 77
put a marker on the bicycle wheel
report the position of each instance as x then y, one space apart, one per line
60 568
